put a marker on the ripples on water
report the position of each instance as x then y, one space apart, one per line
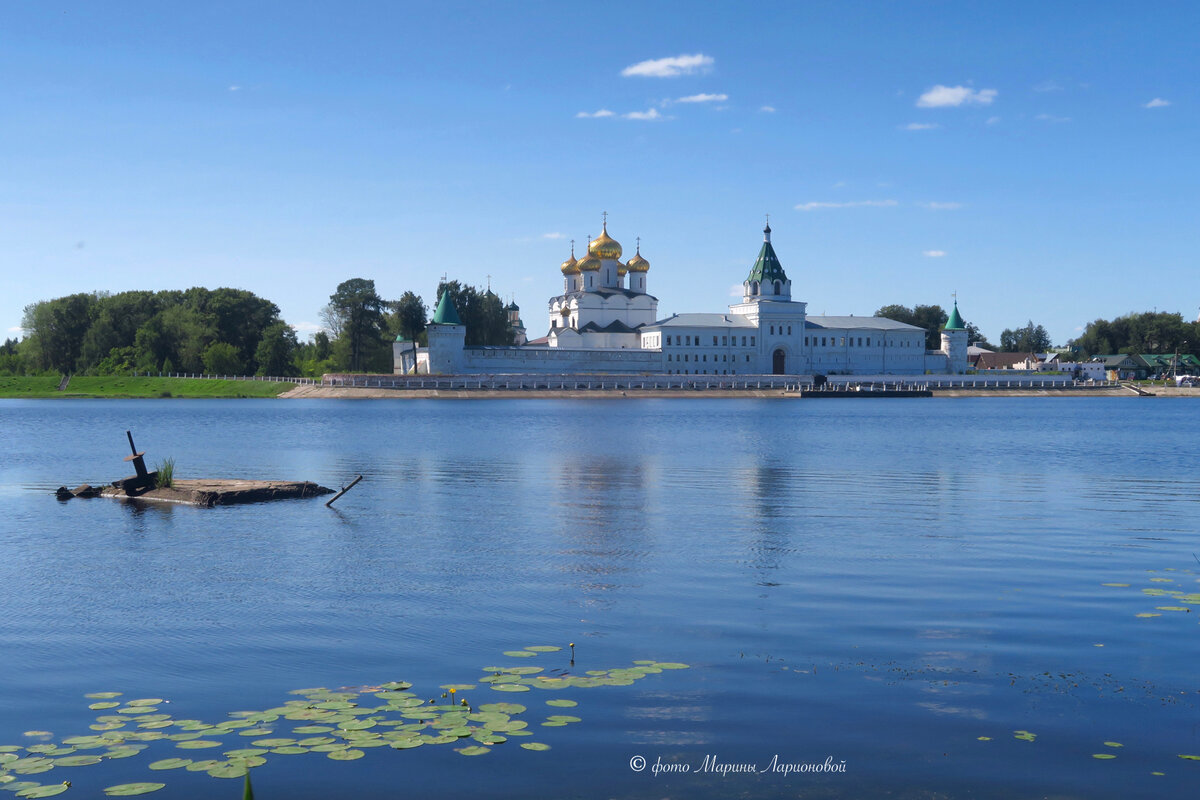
882 582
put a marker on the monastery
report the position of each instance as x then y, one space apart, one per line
605 321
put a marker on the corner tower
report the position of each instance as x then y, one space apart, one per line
954 343
447 336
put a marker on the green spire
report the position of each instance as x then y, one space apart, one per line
955 322
446 313
767 268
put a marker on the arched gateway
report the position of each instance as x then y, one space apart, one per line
779 362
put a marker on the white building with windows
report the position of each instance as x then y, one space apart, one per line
606 322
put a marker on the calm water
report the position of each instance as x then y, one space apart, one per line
878 582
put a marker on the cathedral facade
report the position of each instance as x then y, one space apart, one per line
606 322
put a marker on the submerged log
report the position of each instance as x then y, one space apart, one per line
208 493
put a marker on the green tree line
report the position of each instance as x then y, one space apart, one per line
232 332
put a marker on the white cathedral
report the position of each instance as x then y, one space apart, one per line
606 322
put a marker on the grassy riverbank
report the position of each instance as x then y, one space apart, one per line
118 386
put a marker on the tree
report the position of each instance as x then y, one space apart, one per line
931 318
276 353
221 358
56 328
358 310
409 317
1148 332
1028 339
482 313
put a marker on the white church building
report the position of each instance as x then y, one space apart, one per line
606 322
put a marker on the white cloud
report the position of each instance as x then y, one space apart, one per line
604 112
920 126
1157 102
16 329
813 206
768 109
1052 118
671 67
645 115
703 98
234 88
737 290
936 206
839 185
992 120
307 328
951 96
1047 86
933 253
555 235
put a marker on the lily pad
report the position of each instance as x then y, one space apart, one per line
1113 744
131 789
103 705
670 665
76 761
562 718
202 766
103 695
519 653
170 763
229 771
473 750
562 703
290 750
44 791
197 744
345 755
535 746
509 687
544 648
1103 756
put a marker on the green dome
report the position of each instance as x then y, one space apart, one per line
446 314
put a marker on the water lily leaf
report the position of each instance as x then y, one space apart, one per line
248 761
562 703
519 653
357 725
127 751
103 705
562 718
76 761
509 687
38 734
131 789
1103 756
245 752
1147 614
552 724
670 665
228 771
313 741
406 744
19 786
276 742
153 701
503 708
103 695
256 732
202 766
1173 608
345 755
544 648
290 750
458 687
170 763
312 729
984 738
44 791
535 746
329 748
197 744
473 750
1191 758
1113 744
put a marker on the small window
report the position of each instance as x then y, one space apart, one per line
868 341
668 356
772 330
747 359
724 340
706 358
685 358
822 341
743 341
714 341
806 341
789 330
752 341
841 341
668 341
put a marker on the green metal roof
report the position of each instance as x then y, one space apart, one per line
767 268
446 314
955 322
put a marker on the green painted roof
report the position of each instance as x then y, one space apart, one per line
446 313
767 268
955 322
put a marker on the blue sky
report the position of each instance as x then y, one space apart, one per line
1039 159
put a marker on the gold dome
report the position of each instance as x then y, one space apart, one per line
604 246
588 263
637 263
622 268
570 266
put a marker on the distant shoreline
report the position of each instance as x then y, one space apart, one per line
347 393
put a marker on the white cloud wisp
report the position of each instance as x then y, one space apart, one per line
953 96
671 67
